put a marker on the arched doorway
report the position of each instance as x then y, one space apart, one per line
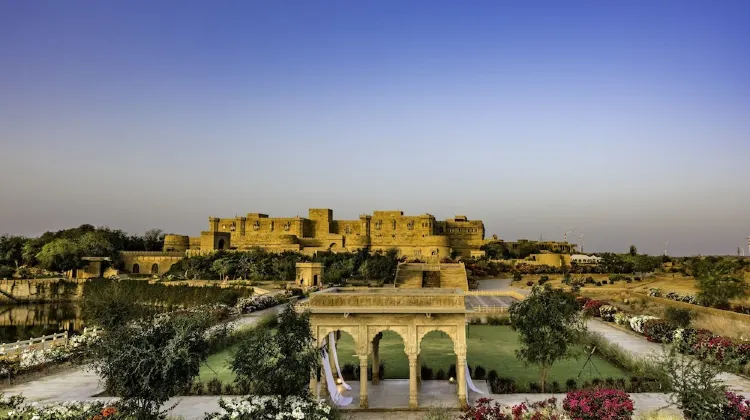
437 357
348 364
220 245
155 269
136 269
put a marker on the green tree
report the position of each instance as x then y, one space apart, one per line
147 361
11 250
549 326
153 240
696 389
111 306
222 267
718 281
96 244
60 255
279 363
633 250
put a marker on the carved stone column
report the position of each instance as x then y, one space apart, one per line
413 400
363 381
376 361
461 377
419 369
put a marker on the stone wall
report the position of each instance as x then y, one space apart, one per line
40 290
149 262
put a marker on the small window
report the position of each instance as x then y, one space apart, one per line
155 269
136 268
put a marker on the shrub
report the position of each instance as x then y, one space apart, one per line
543 279
229 389
479 372
598 283
609 404
501 384
426 372
555 386
636 322
591 308
621 319
737 407
654 291
214 386
348 372
680 317
589 280
607 312
604 281
196 388
487 409
535 387
658 330
529 283
582 300
571 384
440 375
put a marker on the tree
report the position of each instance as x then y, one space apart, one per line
96 244
279 363
633 250
549 326
110 307
11 250
696 389
222 266
147 361
60 255
153 240
718 282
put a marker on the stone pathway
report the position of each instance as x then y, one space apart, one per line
80 383
639 346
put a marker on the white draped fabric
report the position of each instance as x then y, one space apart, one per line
336 397
332 345
469 382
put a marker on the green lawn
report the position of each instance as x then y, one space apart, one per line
493 347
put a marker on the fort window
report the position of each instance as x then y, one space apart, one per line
136 268
220 244
155 269
394 225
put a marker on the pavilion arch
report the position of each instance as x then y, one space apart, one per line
136 268
449 330
323 331
155 268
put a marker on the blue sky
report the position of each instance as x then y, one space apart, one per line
629 120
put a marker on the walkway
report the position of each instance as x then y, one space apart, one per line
640 347
80 383
500 284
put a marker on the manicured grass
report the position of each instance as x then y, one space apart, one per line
492 347
217 365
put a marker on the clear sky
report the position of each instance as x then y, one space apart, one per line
629 120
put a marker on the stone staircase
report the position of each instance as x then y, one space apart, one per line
446 276
453 276
408 279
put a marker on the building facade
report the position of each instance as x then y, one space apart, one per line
420 236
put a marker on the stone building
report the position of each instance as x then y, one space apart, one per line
418 237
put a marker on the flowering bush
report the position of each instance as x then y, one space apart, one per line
721 349
272 407
654 291
31 359
737 408
582 301
598 404
591 308
658 330
487 409
607 312
15 408
621 319
257 303
636 322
